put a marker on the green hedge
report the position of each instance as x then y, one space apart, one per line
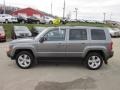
9 27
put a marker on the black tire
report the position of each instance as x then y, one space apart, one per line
38 22
5 40
25 53
91 55
50 22
22 22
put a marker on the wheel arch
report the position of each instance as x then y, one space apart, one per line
20 50
101 52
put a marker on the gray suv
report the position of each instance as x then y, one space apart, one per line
92 44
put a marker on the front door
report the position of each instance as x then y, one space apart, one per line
54 44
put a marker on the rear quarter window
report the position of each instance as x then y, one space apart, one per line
98 34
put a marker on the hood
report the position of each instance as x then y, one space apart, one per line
26 40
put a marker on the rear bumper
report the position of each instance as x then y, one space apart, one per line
14 21
110 55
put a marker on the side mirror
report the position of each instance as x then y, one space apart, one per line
42 39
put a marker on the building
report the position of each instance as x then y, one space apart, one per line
27 12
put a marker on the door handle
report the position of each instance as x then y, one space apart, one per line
60 44
83 43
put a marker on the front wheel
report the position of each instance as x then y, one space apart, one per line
38 22
24 59
93 61
22 22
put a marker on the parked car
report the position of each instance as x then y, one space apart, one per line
113 33
2 34
64 21
33 19
93 44
22 19
41 19
49 20
20 32
117 29
36 30
6 18
72 20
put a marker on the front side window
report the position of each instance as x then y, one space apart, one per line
55 35
97 34
78 34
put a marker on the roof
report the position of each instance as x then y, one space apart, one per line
28 11
91 27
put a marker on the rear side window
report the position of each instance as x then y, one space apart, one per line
78 34
97 34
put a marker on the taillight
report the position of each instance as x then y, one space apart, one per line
110 46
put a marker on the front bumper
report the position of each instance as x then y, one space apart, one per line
9 55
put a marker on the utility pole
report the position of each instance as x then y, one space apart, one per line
64 9
4 7
111 16
76 11
51 8
104 16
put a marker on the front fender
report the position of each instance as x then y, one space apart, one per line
23 47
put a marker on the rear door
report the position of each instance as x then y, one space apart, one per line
77 41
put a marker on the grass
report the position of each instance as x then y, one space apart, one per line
9 27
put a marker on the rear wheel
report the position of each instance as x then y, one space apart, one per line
50 22
6 21
93 61
24 59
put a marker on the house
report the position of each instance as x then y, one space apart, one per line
27 12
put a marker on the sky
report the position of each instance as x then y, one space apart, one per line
87 9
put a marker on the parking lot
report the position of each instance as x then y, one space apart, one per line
59 76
